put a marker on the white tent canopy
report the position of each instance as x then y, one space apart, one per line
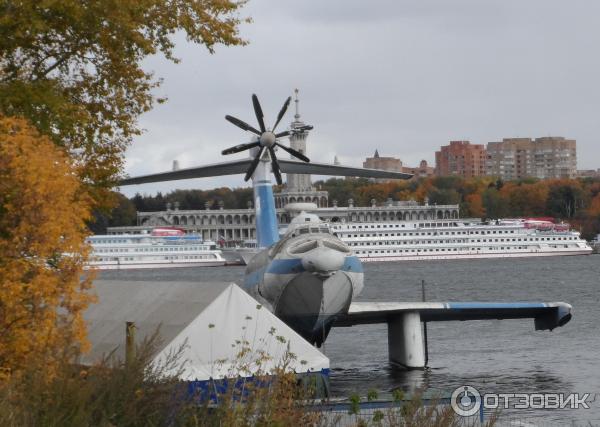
213 321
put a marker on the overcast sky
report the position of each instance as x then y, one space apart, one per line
401 76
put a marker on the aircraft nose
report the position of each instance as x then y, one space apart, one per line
323 261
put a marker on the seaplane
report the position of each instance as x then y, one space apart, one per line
309 278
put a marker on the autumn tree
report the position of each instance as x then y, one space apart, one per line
495 206
443 196
478 197
43 209
123 213
473 206
565 198
73 69
592 222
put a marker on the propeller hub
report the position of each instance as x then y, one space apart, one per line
267 139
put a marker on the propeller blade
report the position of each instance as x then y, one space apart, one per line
275 166
293 152
241 124
289 132
253 165
259 112
286 104
240 147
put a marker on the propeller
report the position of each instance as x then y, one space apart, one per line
267 138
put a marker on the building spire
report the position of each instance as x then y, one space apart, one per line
297 102
376 154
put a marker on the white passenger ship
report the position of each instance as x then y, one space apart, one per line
453 239
163 248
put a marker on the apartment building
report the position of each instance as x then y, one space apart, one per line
461 158
546 157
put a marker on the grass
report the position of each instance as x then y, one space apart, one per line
141 393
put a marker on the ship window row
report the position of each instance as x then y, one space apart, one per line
429 233
537 239
422 225
153 249
525 239
418 251
434 224
191 257
167 258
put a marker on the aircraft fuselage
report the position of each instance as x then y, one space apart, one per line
308 278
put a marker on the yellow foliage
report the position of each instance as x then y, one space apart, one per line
74 69
594 209
43 210
475 205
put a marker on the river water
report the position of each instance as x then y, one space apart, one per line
494 356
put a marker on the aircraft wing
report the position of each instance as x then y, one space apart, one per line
291 166
547 316
241 166
216 169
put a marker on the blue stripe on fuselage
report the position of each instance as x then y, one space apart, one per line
353 264
266 220
294 265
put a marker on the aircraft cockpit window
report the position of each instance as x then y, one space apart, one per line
336 246
304 247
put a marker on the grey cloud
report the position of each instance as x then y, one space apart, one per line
404 77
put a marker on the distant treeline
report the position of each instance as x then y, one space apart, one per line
573 200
